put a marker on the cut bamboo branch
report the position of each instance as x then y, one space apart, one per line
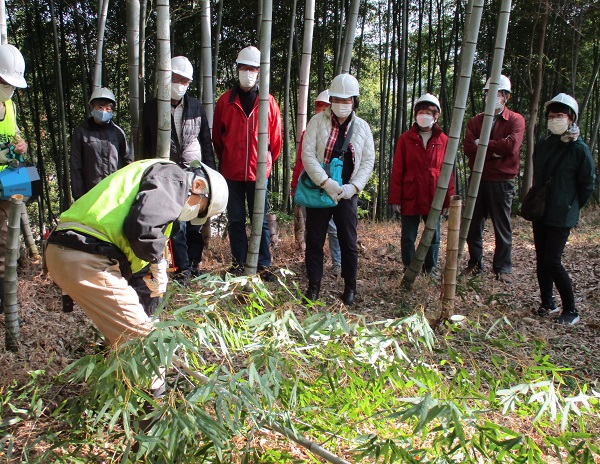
32 249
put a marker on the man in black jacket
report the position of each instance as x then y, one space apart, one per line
190 140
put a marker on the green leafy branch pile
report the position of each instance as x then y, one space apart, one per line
245 364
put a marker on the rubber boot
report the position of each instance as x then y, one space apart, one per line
349 295
312 293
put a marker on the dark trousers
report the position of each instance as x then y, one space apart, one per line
494 201
179 246
410 228
346 220
549 246
240 193
143 292
195 244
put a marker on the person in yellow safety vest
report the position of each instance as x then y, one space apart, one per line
117 228
12 71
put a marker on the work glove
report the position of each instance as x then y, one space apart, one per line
159 280
332 188
348 191
477 142
396 209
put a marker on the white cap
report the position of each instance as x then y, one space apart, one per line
181 66
249 56
504 84
323 97
12 66
429 98
344 86
566 100
103 92
218 190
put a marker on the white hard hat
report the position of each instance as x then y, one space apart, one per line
12 66
344 86
323 97
566 100
249 56
103 92
429 98
504 84
181 66
217 187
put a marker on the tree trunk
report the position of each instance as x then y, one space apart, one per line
133 59
163 79
260 192
535 103
3 30
102 12
11 307
286 112
349 34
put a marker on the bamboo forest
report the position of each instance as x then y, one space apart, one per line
345 231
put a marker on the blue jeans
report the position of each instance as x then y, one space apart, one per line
410 228
240 193
334 244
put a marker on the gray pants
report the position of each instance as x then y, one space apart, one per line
494 201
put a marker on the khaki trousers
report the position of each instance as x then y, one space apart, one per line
95 283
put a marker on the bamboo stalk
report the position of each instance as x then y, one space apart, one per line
32 248
451 268
11 308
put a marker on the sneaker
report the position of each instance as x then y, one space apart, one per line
336 270
471 270
568 318
545 310
505 278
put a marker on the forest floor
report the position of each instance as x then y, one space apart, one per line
52 339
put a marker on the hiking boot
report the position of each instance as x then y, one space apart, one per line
312 293
505 278
545 310
568 318
349 295
266 274
336 270
471 270
183 277
236 270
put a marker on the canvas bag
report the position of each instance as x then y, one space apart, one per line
309 194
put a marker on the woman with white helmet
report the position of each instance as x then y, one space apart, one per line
324 140
565 161
416 170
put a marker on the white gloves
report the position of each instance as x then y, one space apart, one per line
332 188
159 280
348 191
396 209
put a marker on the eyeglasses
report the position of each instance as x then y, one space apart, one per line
558 116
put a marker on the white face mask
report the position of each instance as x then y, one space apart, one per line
499 103
189 212
558 126
178 91
248 78
425 120
342 110
6 92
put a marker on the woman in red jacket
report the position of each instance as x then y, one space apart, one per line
415 174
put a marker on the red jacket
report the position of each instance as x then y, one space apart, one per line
416 171
502 157
235 137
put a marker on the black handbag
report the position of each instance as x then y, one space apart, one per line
533 206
